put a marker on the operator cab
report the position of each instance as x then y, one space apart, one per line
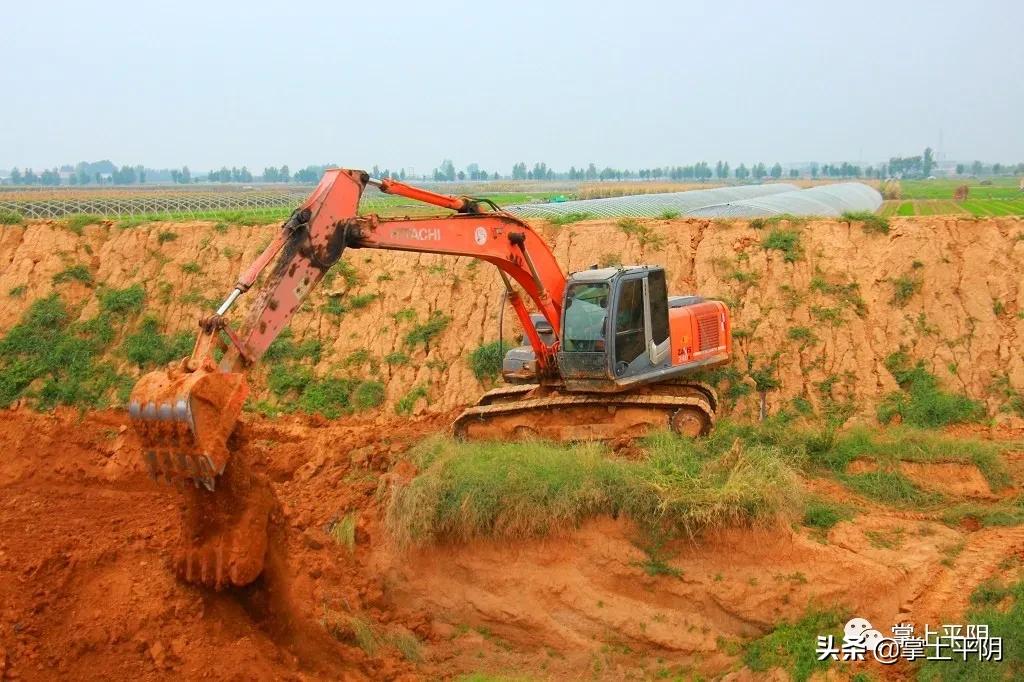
614 326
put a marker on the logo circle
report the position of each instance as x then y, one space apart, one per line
480 235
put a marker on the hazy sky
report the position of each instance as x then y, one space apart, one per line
627 84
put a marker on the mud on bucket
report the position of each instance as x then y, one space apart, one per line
184 420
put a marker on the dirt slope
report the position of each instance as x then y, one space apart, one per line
962 313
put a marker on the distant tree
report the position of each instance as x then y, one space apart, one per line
16 177
814 170
997 168
285 175
461 175
794 173
776 171
759 170
270 174
977 168
741 172
721 170
960 168
591 172
30 177
928 162
186 175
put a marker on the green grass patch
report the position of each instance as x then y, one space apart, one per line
423 333
821 514
164 236
343 530
52 360
407 402
921 402
78 221
467 490
18 291
785 240
645 236
1001 607
870 222
368 395
486 359
123 302
397 358
8 217
74 273
148 347
888 487
792 646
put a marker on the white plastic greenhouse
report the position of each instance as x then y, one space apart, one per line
742 201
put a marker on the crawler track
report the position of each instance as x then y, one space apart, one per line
524 412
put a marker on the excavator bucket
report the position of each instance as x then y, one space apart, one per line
184 419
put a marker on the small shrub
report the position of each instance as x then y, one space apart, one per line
18 291
329 397
164 236
74 273
889 487
871 222
903 289
786 241
407 403
404 315
8 217
669 215
368 395
191 268
487 358
361 301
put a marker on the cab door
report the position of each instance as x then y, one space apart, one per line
640 323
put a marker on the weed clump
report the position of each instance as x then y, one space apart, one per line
423 333
921 402
643 233
870 222
8 217
486 359
74 273
785 240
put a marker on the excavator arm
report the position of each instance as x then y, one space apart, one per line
185 415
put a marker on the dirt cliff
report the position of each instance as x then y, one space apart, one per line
819 314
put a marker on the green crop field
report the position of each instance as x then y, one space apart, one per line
998 197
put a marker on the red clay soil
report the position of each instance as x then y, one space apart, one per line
88 590
86 541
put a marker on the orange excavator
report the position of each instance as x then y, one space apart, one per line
608 356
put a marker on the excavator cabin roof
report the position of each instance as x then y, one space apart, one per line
595 274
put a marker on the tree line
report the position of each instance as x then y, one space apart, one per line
107 173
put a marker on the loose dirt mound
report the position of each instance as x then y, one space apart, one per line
945 289
87 590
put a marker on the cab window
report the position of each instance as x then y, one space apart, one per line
586 309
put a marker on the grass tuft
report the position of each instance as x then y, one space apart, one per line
871 222
785 240
467 490
792 646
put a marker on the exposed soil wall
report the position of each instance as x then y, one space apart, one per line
960 311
